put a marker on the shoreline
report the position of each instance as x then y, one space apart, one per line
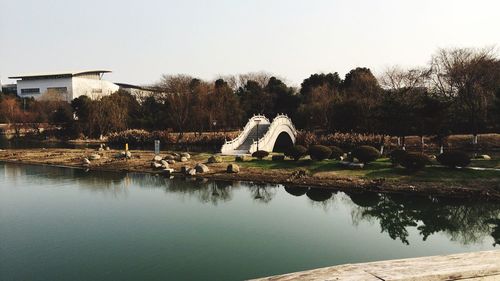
140 163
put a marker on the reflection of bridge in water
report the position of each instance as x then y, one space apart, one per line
261 134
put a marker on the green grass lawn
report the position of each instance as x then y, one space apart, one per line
382 168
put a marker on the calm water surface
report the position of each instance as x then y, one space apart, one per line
68 224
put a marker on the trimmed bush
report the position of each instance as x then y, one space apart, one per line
454 159
397 156
260 154
366 154
337 152
319 152
296 152
414 161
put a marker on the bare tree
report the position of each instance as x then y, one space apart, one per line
469 77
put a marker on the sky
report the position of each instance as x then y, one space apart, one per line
141 40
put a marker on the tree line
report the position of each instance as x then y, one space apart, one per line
458 91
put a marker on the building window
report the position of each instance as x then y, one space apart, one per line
30 91
60 90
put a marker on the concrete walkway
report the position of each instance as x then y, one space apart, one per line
484 266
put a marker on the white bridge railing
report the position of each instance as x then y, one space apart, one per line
232 145
281 123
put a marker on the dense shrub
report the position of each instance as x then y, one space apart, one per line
414 161
144 138
260 154
336 152
366 154
344 140
397 156
296 152
319 152
454 159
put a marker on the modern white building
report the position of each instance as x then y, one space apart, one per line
64 85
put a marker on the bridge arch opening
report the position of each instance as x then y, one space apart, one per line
283 142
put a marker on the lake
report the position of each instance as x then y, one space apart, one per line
71 224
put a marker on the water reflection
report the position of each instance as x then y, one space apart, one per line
466 222
463 221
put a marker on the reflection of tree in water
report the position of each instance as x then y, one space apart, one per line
205 191
262 192
96 181
319 194
296 190
463 221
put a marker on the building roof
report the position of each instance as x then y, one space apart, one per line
66 73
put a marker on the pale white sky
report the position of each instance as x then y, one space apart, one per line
140 40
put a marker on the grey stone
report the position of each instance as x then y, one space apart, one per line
215 159
191 172
95 156
233 168
201 168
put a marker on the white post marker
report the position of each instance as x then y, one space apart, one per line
157 147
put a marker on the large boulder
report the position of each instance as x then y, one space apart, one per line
201 168
215 159
233 168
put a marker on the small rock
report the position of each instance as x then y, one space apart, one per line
183 159
100 149
168 172
201 168
164 164
485 157
128 154
241 158
171 161
185 154
233 168
169 157
86 161
175 154
215 159
107 148
156 165
157 158
191 172
95 156
184 169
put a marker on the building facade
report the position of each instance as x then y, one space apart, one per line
64 86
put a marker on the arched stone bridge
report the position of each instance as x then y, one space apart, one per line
260 133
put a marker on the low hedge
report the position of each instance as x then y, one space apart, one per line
296 152
337 152
414 161
260 154
454 159
366 154
396 156
319 152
